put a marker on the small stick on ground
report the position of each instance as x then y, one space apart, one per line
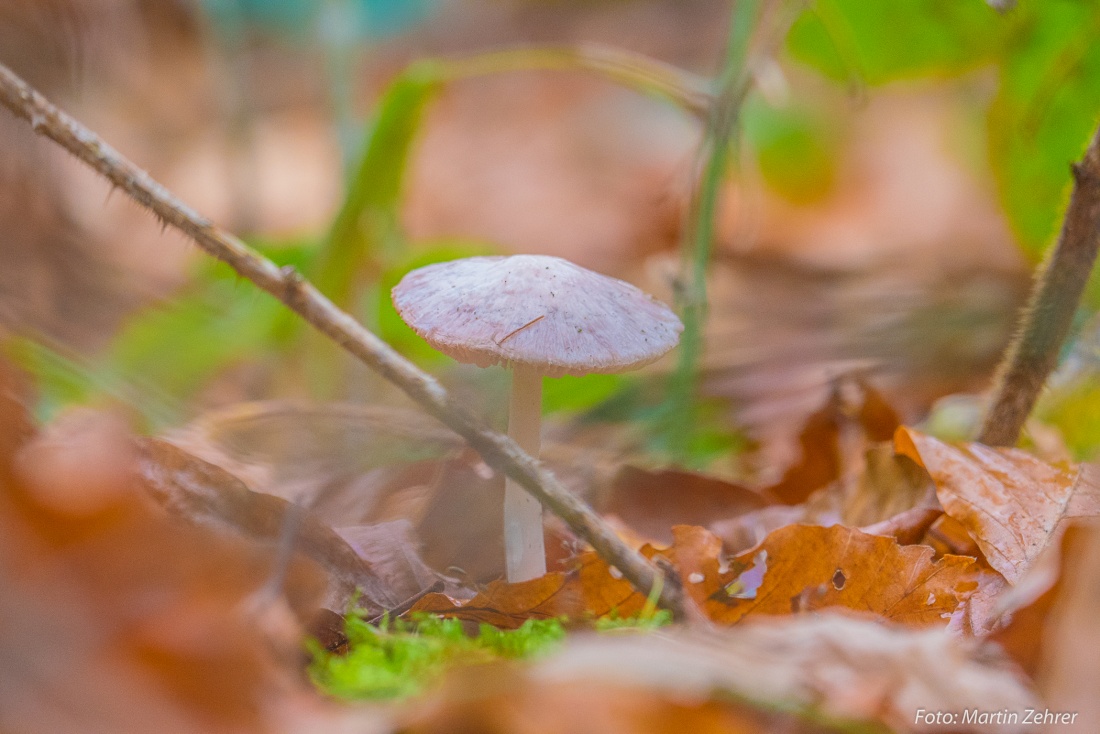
285 284
1046 322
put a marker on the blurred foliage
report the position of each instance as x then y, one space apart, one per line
796 147
1047 65
874 43
366 231
1045 111
364 18
1075 410
1041 54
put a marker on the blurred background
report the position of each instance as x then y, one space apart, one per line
885 200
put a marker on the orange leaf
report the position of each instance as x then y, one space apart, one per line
1013 504
800 568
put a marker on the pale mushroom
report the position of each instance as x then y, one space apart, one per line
540 316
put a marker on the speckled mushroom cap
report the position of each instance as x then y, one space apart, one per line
537 311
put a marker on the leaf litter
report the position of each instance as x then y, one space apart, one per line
894 592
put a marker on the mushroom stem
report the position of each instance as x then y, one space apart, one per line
524 548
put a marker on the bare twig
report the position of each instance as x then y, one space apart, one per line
289 287
1054 299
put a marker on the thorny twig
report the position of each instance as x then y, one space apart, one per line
288 286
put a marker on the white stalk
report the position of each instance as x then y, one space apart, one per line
524 548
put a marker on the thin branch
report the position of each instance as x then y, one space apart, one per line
288 286
1046 322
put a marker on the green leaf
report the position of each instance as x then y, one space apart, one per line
877 42
367 229
796 149
1046 108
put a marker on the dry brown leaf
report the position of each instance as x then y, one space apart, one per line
343 461
651 502
1013 504
819 463
391 550
207 495
832 664
1030 605
1068 675
507 605
827 671
801 568
117 618
797 568
745 531
510 700
888 484
906 527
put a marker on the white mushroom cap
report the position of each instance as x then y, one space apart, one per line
535 311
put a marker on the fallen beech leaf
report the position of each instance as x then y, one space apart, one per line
1013 504
462 527
981 613
1069 673
797 568
827 449
506 699
117 618
745 531
1030 605
207 495
948 536
651 502
507 605
888 485
819 462
806 567
390 550
343 461
831 666
906 527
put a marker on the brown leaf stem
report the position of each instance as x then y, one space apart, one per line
1045 324
303 298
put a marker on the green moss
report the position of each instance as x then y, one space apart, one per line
403 658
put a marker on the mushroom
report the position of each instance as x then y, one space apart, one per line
541 316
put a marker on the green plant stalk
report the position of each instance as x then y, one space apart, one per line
733 86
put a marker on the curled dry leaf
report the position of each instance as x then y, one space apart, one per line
651 502
207 495
906 527
391 551
824 672
834 437
346 462
1013 504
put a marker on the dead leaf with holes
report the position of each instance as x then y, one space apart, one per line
798 568
801 568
